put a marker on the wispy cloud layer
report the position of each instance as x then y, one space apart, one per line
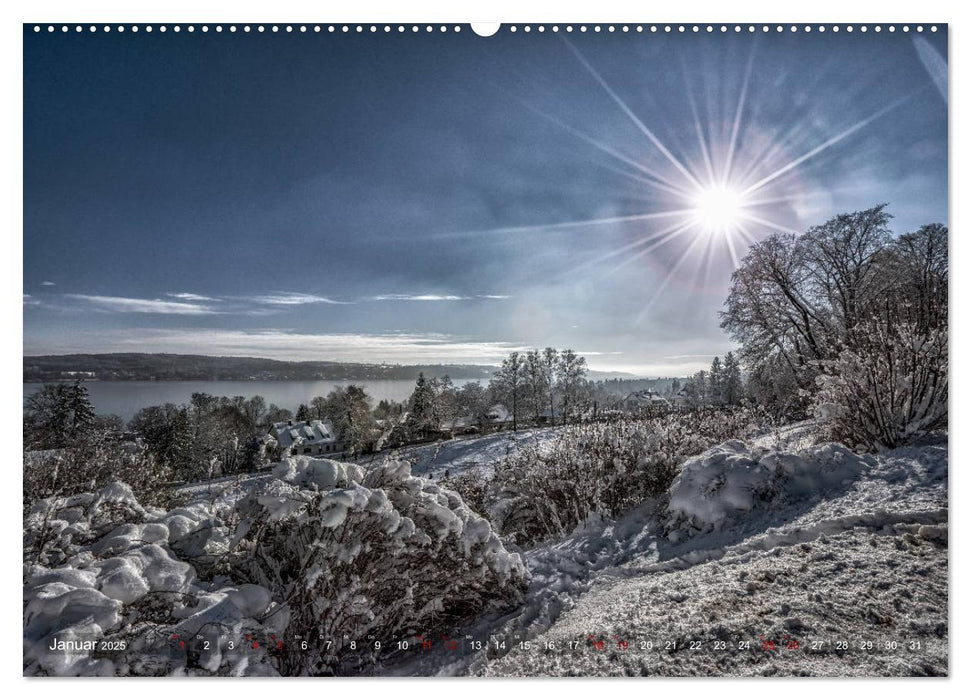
291 299
283 344
142 306
417 297
189 296
434 297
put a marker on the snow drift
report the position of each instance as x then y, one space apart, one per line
733 478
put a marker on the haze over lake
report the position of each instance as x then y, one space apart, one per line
124 399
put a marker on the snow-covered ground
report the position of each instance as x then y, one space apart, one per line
861 561
777 540
462 453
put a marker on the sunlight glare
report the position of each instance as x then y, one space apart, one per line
718 208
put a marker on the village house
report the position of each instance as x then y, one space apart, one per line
499 414
638 401
317 438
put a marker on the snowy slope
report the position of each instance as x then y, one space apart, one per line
775 537
862 561
460 454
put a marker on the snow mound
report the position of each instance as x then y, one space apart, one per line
735 478
311 472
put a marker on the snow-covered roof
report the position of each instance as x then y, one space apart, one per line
499 413
315 432
458 423
644 398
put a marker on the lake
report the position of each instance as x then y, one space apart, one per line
126 398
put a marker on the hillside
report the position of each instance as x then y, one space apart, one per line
774 540
164 366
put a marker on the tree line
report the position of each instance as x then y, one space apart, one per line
536 386
848 323
722 385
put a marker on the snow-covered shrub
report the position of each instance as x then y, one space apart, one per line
384 553
604 468
734 478
888 388
472 486
56 529
100 567
98 459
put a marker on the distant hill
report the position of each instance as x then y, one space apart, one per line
169 367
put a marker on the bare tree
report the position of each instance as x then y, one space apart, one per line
550 365
572 372
508 381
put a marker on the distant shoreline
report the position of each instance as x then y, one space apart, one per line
160 367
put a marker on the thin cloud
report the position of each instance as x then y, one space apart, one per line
46 283
435 297
418 297
291 299
189 296
31 301
689 357
142 306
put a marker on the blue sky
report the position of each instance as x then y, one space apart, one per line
445 197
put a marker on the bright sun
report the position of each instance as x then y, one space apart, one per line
718 209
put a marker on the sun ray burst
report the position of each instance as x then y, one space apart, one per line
630 114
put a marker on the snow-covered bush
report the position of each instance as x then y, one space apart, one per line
383 553
888 388
472 486
321 551
605 468
98 459
100 567
734 478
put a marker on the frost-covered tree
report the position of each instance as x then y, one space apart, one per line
443 400
81 409
571 373
716 382
275 414
795 298
889 384
731 385
508 383
349 411
473 400
805 308
167 435
421 405
550 365
534 394
47 418
696 388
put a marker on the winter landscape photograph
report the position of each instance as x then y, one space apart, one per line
396 350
